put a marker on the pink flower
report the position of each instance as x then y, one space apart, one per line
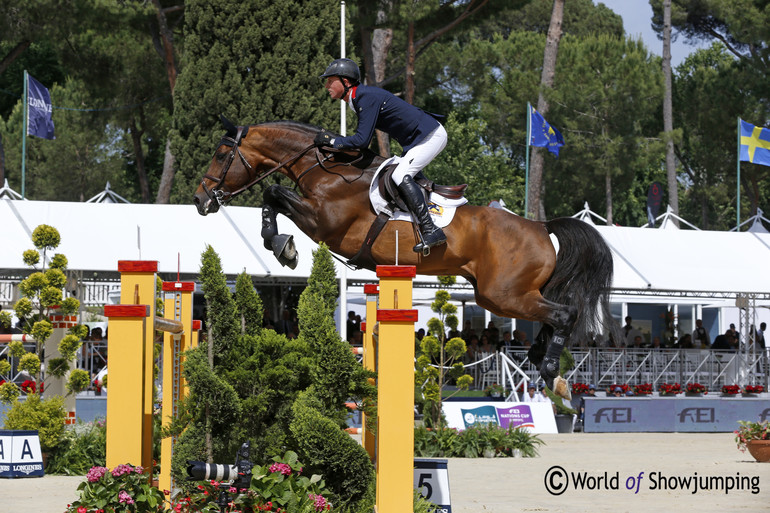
319 502
124 497
96 474
122 469
81 509
283 468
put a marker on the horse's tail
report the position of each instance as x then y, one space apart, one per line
582 277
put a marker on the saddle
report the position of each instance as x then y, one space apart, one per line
389 192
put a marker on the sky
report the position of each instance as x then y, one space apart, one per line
637 16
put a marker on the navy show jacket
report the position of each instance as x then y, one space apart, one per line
379 109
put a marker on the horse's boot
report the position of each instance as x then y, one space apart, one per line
414 199
269 228
549 369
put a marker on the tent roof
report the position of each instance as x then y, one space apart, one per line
96 235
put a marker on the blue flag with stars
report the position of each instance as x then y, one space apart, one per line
543 134
755 144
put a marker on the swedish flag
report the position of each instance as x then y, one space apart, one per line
755 144
543 134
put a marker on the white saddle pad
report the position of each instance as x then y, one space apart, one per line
442 209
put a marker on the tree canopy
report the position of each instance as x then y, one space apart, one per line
128 77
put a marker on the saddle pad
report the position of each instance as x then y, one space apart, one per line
442 210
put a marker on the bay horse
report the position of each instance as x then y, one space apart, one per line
510 261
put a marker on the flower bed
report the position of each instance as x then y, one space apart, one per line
753 389
731 389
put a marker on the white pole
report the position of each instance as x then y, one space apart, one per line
343 270
343 112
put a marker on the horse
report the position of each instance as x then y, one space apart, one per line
511 261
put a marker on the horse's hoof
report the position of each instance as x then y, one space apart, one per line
561 388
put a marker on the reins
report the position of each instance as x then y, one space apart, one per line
217 194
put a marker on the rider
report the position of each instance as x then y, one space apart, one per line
419 133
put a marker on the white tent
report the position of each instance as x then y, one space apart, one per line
680 265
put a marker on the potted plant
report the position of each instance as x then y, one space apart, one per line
643 389
696 389
667 389
731 390
579 388
752 390
754 436
494 390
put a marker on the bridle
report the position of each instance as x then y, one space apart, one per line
222 197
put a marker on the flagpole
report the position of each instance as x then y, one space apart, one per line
25 102
738 196
526 172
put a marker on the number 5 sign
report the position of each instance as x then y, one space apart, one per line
432 479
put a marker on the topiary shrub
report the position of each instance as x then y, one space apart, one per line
44 415
346 466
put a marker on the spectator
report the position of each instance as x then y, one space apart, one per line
734 333
722 342
493 333
351 323
700 337
655 343
617 392
685 342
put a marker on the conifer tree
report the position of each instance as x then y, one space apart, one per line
252 64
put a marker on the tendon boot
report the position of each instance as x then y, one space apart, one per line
549 369
431 234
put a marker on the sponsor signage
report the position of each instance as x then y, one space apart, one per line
606 415
536 417
20 454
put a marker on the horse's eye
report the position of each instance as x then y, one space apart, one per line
220 156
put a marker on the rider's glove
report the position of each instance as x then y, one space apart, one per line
323 138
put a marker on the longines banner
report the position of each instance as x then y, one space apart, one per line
537 417
611 415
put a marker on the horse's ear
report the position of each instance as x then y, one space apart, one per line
229 126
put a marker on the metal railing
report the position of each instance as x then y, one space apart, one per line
603 367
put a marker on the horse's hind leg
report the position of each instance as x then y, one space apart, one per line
558 321
549 368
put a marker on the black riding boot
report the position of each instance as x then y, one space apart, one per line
431 234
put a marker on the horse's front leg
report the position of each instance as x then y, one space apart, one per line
279 199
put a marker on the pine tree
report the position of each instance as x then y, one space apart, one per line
252 62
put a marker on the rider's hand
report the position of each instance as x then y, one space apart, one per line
323 138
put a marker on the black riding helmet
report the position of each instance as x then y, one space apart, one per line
343 68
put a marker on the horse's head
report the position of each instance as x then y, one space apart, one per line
228 171
243 158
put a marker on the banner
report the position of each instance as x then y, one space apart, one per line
39 120
536 417
543 134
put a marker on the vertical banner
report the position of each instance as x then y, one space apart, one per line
39 120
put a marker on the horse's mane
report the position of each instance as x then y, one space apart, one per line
310 131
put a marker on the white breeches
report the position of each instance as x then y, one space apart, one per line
420 155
